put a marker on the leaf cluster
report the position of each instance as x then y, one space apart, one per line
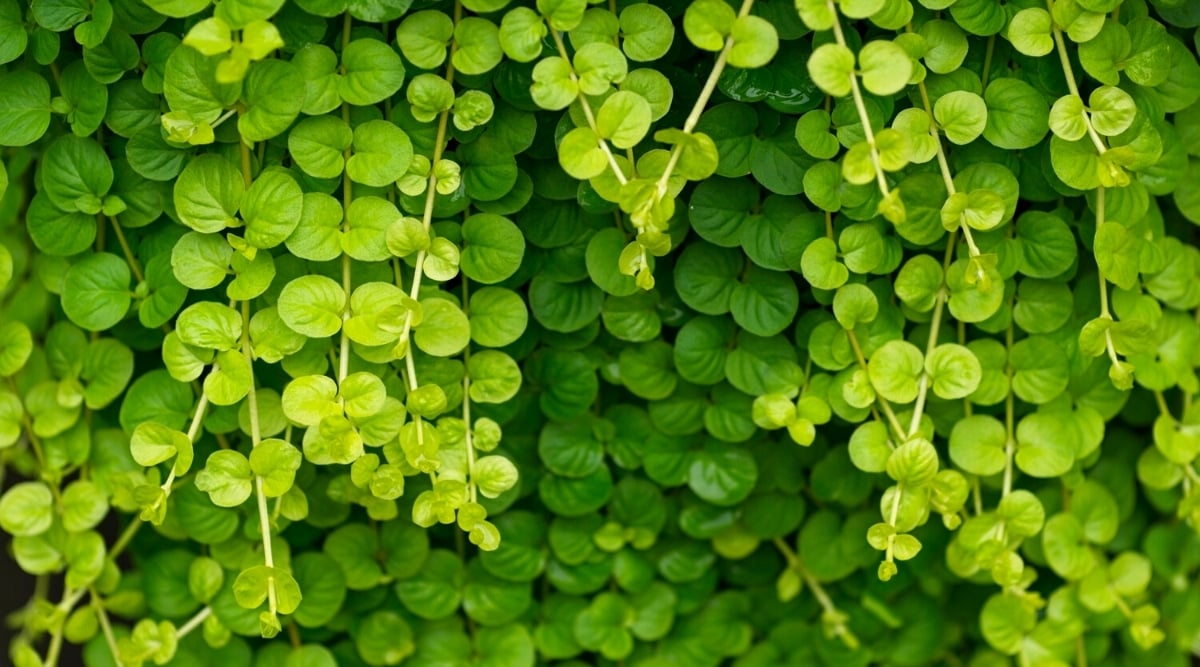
500 333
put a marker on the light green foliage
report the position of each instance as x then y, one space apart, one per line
499 334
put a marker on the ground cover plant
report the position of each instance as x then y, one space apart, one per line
503 333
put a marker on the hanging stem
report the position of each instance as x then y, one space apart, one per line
105 626
193 622
587 112
840 630
710 85
472 489
130 259
264 521
860 105
883 402
1010 440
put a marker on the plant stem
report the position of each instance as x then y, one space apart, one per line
105 627
264 520
1010 440
439 145
34 442
710 85
588 114
134 266
944 166
193 622
472 489
1072 86
860 105
819 594
1109 346
883 402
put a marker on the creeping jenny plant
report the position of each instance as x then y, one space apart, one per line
760 334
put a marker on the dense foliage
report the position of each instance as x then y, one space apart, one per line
502 333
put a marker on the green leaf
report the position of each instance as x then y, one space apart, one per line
444 329
498 316
495 377
977 445
562 14
208 194
553 87
382 154
1112 110
24 107
831 67
707 22
953 370
885 67
962 115
373 72
895 369
271 107
478 46
820 265
423 37
1030 32
722 474
276 462
26 509
765 303
647 32
624 118
492 248
1044 447
227 478
96 292
755 42
16 344
1016 114
312 306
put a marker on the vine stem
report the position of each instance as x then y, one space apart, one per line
944 166
1069 72
883 402
1109 346
710 85
347 199
105 627
134 266
35 443
472 489
192 433
934 328
264 521
860 105
193 622
587 112
439 146
818 591
1010 439
70 598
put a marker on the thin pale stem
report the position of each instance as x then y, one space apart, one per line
589 114
439 145
860 106
1010 439
264 517
194 622
130 259
710 85
472 488
1069 72
105 627
884 405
